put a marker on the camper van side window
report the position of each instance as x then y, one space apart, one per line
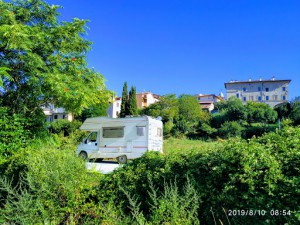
140 131
159 132
113 132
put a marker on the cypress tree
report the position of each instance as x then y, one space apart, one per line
132 102
124 103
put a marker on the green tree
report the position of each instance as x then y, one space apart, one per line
295 114
260 113
190 113
132 106
43 60
230 129
124 103
93 111
235 110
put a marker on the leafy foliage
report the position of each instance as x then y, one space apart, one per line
54 189
295 114
230 129
262 173
43 60
260 113
13 135
124 103
168 109
132 106
65 127
93 111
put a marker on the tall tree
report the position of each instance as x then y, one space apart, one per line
235 110
132 105
258 112
124 103
43 60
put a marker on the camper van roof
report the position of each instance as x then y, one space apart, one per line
89 123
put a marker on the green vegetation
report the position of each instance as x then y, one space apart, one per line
43 61
128 104
42 181
192 182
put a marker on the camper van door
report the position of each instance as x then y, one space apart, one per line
90 144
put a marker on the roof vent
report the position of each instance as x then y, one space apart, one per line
260 79
273 78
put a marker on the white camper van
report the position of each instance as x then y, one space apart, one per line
120 138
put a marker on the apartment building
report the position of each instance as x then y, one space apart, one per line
271 92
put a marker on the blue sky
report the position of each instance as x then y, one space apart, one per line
190 46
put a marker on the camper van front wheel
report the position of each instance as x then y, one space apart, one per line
83 155
122 159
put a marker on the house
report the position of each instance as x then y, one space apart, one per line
143 100
207 101
115 108
53 113
271 92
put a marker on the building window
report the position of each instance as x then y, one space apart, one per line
259 98
283 97
244 99
251 98
283 89
55 117
244 89
118 104
237 95
113 132
267 98
275 97
64 116
259 88
140 131
267 89
159 132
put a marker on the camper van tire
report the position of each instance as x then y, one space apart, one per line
122 159
83 155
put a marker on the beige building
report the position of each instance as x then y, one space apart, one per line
115 108
53 114
207 101
143 100
271 92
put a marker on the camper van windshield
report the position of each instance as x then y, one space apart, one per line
92 137
113 132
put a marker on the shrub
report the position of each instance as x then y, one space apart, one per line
65 127
54 187
261 174
230 129
257 131
13 135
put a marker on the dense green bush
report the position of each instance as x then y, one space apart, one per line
260 174
53 188
200 183
230 129
65 127
12 132
257 131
